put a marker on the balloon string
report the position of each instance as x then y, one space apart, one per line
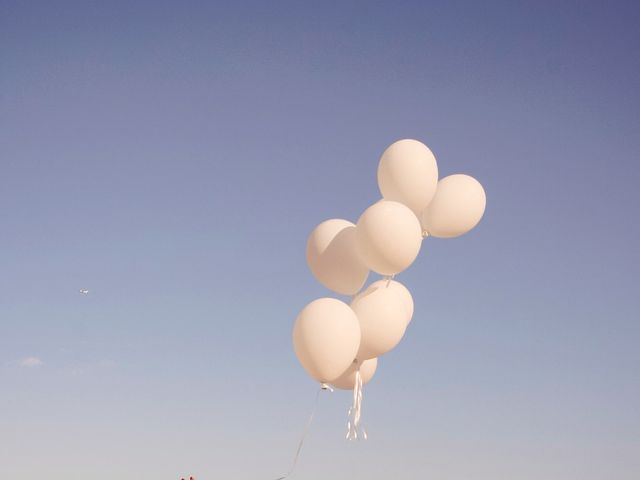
388 278
354 429
323 386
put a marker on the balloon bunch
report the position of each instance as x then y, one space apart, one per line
339 344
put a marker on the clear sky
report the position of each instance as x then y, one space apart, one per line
172 157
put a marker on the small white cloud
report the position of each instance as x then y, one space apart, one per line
31 362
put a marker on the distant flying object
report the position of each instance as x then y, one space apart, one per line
84 291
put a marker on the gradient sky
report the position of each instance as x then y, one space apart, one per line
172 157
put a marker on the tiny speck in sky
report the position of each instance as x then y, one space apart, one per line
84 291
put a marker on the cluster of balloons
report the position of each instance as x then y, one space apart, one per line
335 341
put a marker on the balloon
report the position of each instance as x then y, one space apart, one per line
383 320
456 208
326 337
333 257
388 236
408 173
399 289
347 380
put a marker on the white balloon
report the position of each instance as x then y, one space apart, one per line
457 207
333 258
326 337
399 289
383 320
388 237
347 380
408 173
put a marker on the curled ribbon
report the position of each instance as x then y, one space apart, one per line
354 429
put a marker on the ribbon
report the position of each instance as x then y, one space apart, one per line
323 386
354 429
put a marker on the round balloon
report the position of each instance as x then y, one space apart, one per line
457 207
388 236
400 290
326 337
333 258
408 173
347 380
383 320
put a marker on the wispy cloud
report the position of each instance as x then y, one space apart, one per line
31 362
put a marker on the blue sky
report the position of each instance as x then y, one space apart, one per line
172 157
